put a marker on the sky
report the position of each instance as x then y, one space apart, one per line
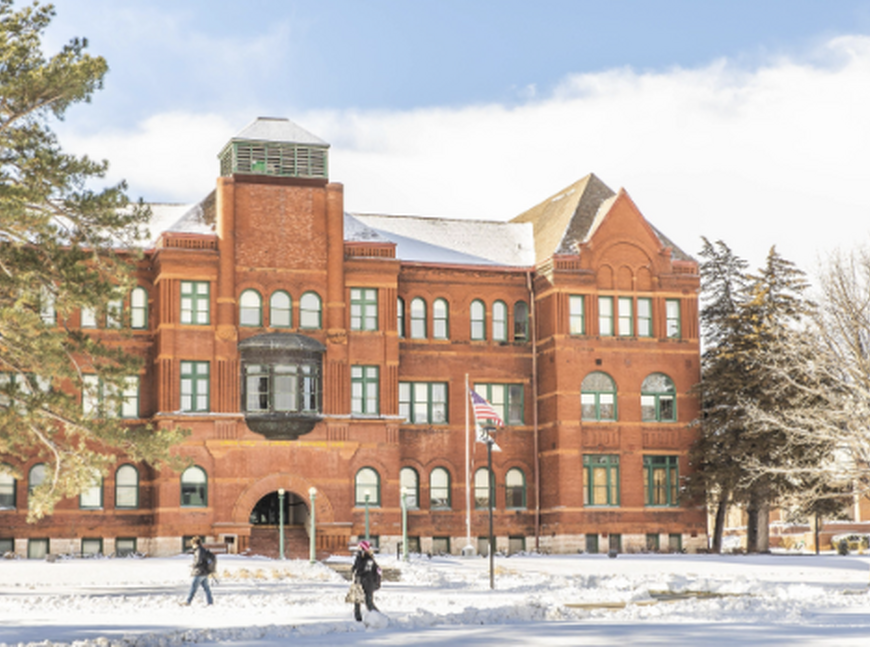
744 121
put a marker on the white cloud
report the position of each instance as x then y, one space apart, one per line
771 155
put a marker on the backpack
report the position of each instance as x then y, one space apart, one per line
210 561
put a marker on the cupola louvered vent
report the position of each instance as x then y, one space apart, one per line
275 147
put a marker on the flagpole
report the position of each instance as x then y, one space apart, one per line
467 472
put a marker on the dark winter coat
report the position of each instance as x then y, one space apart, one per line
200 562
366 571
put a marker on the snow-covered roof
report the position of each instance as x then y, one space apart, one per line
164 216
444 240
278 129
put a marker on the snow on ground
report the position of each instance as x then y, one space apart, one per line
537 600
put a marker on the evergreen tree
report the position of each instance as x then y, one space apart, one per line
59 253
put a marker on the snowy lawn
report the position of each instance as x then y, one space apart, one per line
553 600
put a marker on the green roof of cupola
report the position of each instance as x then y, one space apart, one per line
278 147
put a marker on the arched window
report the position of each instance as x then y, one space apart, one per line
499 321
280 310
515 488
91 498
439 489
368 486
418 318
482 488
35 477
139 308
440 319
400 317
478 319
521 321
250 308
409 484
598 397
7 487
194 488
127 487
309 311
658 399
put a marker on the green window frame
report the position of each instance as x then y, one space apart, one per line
515 489
499 321
591 544
7 545
439 489
195 381
95 394
601 480
418 318
598 397
423 402
675 542
87 318
91 546
625 326
310 311
194 487
653 543
8 488
127 487
577 314
250 309
605 316
661 481
672 318
483 488
400 317
38 548
409 484
114 313
363 309
644 317
289 387
521 321
658 399
195 303
91 498
139 308
125 546
280 310
35 477
367 482
477 313
440 319
364 390
506 399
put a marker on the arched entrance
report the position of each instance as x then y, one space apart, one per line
265 526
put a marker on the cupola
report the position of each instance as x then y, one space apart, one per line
276 147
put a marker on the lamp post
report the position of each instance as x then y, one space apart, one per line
368 496
281 522
312 552
489 442
405 524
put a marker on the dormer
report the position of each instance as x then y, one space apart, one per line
275 147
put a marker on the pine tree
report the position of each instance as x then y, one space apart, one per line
64 246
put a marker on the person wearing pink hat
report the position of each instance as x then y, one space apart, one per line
367 573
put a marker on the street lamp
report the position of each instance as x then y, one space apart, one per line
281 522
312 552
405 524
367 497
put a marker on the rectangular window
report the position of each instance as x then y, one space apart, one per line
601 480
644 317
37 548
194 386
440 545
114 313
91 547
626 317
592 544
506 399
516 545
92 497
7 545
605 316
652 542
96 393
423 402
195 303
125 546
89 318
364 390
672 318
7 493
614 541
577 316
661 480
675 542
363 309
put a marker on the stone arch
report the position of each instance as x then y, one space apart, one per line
272 483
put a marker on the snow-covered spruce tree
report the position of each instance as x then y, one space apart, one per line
57 240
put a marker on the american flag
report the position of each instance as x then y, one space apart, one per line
483 410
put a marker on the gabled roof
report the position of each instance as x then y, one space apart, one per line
453 241
278 129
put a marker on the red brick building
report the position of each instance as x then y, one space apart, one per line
313 350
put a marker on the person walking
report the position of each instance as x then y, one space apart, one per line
367 573
199 571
